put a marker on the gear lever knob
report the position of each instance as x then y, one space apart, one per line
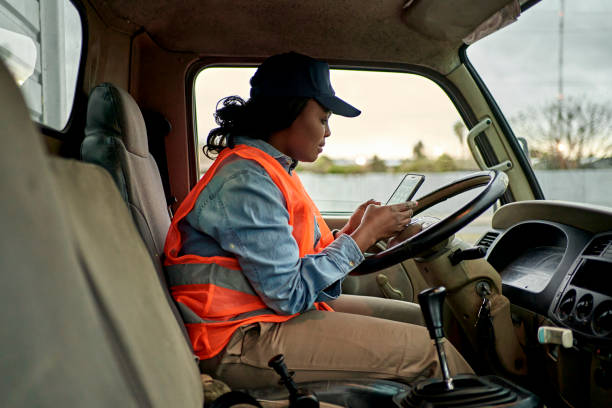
432 303
277 363
298 397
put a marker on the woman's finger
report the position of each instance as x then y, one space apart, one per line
402 207
367 203
404 219
398 207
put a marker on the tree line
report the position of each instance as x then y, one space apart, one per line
572 133
419 163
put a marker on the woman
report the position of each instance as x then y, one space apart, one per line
252 264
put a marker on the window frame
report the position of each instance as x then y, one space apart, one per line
522 158
76 117
500 118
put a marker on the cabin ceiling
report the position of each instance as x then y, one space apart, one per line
427 32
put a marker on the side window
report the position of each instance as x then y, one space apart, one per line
407 124
40 43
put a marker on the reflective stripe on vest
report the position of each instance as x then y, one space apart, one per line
214 296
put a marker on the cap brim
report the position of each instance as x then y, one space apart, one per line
338 106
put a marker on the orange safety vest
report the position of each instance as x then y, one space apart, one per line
225 303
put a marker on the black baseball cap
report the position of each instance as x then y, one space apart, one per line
293 74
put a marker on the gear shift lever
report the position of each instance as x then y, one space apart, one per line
432 301
298 397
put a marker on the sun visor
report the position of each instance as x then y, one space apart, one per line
507 15
449 21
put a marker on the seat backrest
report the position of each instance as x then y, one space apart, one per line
84 319
116 139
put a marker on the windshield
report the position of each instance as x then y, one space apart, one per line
550 74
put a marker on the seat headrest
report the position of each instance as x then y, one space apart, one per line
113 111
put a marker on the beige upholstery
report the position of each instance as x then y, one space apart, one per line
84 320
426 32
116 139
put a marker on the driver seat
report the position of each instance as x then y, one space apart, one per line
116 139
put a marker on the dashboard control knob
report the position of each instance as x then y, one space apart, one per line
567 304
584 307
602 318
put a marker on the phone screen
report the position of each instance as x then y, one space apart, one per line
406 189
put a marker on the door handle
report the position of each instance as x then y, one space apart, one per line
387 289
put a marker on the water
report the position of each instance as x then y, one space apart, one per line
344 192
592 186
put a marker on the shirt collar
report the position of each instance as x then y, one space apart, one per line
287 162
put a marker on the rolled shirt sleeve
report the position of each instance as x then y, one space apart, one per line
245 213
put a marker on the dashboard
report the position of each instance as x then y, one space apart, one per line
555 259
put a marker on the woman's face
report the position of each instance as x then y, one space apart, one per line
305 138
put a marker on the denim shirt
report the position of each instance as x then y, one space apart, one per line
242 213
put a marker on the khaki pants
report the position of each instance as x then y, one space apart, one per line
365 338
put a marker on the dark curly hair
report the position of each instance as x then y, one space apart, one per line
257 118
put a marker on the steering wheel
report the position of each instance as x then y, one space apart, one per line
495 183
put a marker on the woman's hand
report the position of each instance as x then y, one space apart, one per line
355 219
381 222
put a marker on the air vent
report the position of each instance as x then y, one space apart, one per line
607 254
488 239
600 246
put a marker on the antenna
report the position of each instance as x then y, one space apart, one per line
560 95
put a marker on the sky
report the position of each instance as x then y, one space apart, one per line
392 121
519 64
534 42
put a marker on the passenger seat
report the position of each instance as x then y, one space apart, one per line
84 319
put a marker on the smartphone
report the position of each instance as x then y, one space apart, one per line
406 189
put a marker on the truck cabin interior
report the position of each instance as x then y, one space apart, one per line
100 146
